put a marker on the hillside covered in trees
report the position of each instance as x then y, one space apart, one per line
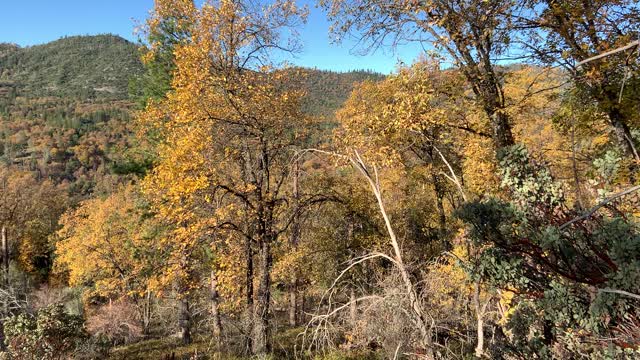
66 108
86 67
191 198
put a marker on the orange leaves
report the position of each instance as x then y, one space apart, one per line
421 104
172 17
29 212
479 169
108 243
226 130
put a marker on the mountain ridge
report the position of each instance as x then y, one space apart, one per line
89 67
95 66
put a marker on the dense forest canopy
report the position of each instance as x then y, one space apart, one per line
192 197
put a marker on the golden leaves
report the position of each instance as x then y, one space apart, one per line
103 242
228 112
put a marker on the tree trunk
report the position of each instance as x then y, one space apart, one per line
215 310
548 338
295 240
602 89
623 134
5 270
442 217
574 167
480 320
146 313
5 259
5 282
625 141
249 224
293 304
261 321
353 307
249 310
301 317
502 135
184 320
488 88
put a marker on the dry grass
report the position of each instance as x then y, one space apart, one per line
160 349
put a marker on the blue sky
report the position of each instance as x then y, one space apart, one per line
39 21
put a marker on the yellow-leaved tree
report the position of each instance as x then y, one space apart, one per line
422 119
109 245
230 127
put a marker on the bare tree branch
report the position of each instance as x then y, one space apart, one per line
600 204
611 52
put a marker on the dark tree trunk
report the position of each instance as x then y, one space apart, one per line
293 304
488 88
301 317
295 240
249 310
623 134
492 95
184 320
439 190
548 337
249 223
263 300
146 313
502 135
215 310
574 167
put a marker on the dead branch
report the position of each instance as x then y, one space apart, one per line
611 52
620 292
419 316
599 205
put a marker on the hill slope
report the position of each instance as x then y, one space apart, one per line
328 90
78 66
64 108
100 67
65 112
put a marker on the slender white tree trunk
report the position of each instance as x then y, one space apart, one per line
420 318
5 258
480 320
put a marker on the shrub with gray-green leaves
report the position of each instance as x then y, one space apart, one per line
558 271
51 333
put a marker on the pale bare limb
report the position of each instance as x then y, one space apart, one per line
611 52
453 177
620 292
419 316
395 355
599 205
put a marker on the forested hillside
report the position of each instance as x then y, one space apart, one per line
86 67
66 110
326 91
188 198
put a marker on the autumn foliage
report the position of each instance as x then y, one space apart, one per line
479 202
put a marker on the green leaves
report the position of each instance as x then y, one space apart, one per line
49 334
530 183
555 271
